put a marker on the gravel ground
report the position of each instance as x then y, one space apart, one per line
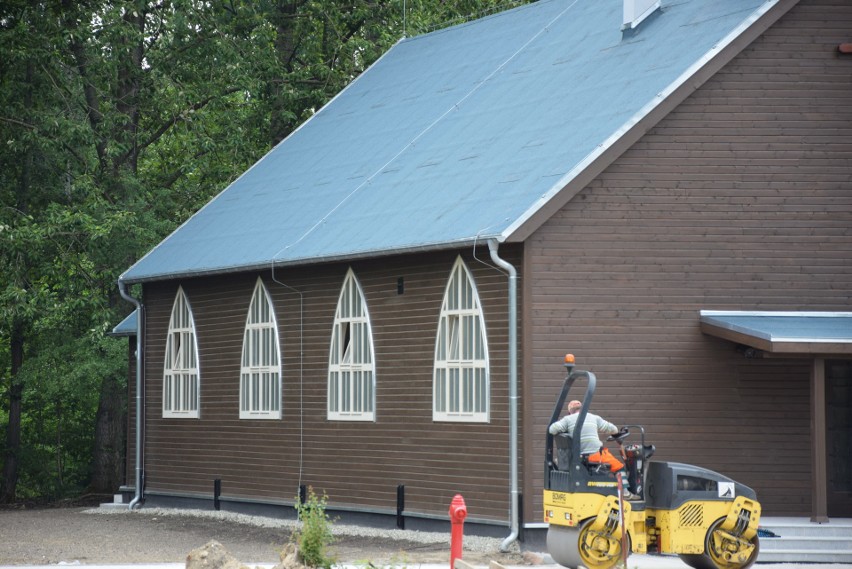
93 536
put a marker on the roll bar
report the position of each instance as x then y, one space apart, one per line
572 376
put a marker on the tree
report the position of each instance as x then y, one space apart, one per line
119 119
94 96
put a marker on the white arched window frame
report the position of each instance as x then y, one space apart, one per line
260 367
351 368
461 390
181 378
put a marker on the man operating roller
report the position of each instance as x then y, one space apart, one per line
591 447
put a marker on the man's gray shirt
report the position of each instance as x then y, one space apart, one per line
589 441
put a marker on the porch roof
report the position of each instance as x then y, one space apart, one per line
126 327
782 332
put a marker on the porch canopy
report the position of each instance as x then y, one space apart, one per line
126 327
827 333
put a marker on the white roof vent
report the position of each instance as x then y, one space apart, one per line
637 10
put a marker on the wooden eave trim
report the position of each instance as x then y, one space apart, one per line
736 337
591 171
812 348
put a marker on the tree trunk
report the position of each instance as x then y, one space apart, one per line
9 483
284 18
108 454
13 429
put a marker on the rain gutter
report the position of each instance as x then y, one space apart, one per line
302 261
140 317
493 245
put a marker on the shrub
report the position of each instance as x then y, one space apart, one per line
314 533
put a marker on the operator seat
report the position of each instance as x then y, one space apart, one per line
563 442
565 454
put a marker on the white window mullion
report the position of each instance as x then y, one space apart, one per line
351 375
460 390
180 373
260 376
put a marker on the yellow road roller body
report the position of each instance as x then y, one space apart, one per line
706 518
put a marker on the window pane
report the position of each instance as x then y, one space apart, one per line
368 391
346 334
333 391
357 392
453 323
254 392
441 349
167 393
465 390
480 391
441 390
453 390
345 392
276 392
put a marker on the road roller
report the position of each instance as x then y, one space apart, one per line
709 520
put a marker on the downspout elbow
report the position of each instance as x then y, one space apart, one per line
140 315
493 246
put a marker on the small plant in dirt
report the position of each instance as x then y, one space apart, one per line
313 536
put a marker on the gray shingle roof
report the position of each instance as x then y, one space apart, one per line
453 136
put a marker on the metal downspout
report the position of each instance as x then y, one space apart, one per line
513 390
140 314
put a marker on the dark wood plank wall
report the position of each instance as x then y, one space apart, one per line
130 458
357 464
740 199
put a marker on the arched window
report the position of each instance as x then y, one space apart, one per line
181 391
260 369
460 381
351 371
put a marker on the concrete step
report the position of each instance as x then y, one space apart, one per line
801 541
117 503
821 530
804 556
806 542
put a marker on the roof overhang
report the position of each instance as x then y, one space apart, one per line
126 327
783 333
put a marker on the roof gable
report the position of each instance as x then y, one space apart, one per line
454 136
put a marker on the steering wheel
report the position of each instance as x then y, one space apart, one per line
620 435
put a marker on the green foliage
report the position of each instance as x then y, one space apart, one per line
118 120
314 534
61 392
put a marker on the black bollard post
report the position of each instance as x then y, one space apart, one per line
400 506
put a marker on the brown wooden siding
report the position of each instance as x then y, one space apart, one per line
740 199
356 463
130 457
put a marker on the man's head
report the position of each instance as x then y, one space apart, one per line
574 407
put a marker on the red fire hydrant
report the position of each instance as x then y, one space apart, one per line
458 512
